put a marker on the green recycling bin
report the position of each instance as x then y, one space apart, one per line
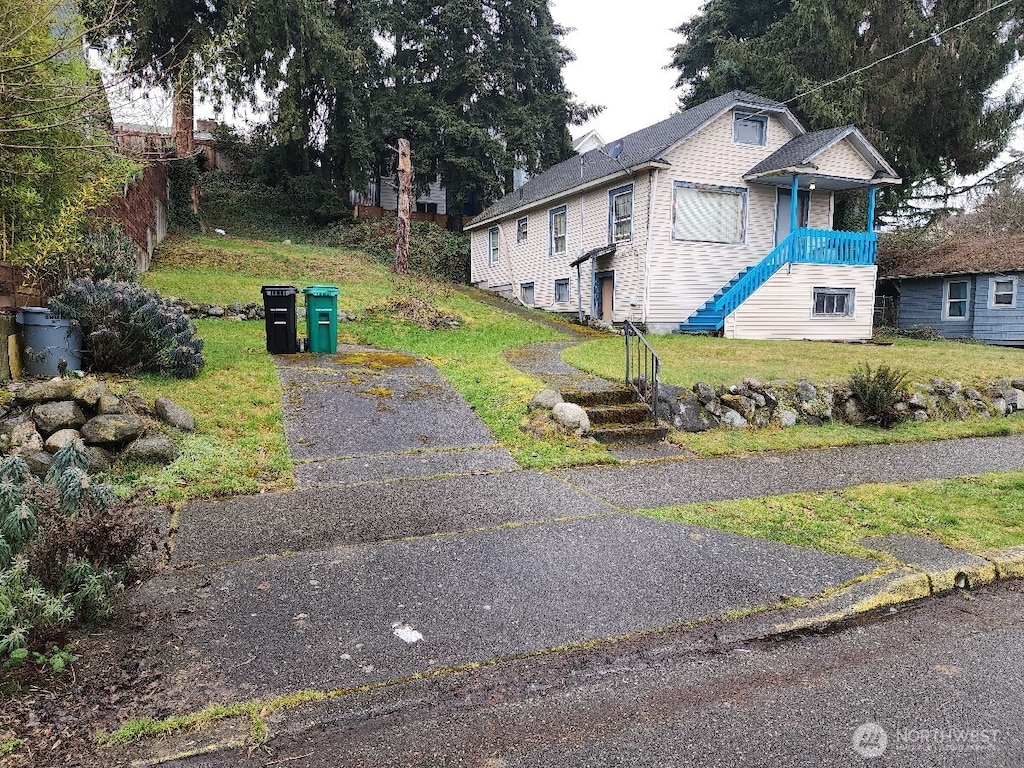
322 318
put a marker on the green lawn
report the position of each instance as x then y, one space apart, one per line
687 360
973 514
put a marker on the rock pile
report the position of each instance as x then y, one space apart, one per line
46 415
236 311
784 404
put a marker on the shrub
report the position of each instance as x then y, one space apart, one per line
68 546
111 254
433 250
126 329
879 391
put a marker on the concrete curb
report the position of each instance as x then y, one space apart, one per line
1009 562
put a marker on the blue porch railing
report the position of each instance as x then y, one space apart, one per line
803 246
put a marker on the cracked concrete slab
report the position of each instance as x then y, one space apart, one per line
317 518
383 467
356 614
946 567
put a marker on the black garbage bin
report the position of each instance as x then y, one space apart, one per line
279 308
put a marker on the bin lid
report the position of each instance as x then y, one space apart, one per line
320 290
279 290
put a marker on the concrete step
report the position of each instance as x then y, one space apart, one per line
606 397
634 413
629 433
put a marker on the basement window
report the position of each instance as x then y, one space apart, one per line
562 290
526 293
833 302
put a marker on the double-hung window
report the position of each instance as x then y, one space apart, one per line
833 302
708 213
492 246
749 129
954 300
620 214
557 231
522 229
562 290
1002 292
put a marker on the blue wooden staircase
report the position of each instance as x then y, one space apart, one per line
803 246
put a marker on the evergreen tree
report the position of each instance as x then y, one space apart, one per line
926 109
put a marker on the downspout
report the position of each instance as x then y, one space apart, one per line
652 195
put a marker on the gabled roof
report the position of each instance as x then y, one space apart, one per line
639 149
798 154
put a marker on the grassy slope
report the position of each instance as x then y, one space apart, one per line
240 446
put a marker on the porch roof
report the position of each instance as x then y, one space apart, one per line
796 158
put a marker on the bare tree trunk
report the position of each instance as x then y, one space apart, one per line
183 119
404 206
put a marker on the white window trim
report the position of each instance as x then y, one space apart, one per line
992 291
749 116
741 192
493 249
568 290
617 192
945 302
851 302
519 221
552 212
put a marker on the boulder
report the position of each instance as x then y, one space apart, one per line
742 404
692 417
999 406
39 462
54 389
546 399
918 401
58 414
972 394
852 412
153 450
921 415
89 393
111 428
24 439
572 417
60 438
171 413
100 459
705 392
805 391
732 419
1017 383
215 311
109 404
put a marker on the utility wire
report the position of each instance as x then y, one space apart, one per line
931 38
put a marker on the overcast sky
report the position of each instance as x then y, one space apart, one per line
621 54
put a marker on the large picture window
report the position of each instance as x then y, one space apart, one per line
955 300
620 214
707 213
557 226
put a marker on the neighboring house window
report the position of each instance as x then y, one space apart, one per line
426 207
708 213
526 293
955 300
562 290
557 225
833 302
521 230
620 214
1002 293
749 129
492 246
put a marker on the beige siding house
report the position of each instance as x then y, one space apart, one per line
718 219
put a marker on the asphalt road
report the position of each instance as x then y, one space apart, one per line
935 684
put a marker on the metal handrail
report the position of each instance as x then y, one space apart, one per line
643 368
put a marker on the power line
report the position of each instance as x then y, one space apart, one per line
931 38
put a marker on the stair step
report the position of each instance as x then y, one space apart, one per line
605 397
635 413
631 433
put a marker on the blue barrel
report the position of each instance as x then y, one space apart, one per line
49 339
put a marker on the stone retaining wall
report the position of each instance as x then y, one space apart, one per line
785 404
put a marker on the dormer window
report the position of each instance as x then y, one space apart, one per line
749 129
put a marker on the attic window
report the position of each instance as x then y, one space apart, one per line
749 129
